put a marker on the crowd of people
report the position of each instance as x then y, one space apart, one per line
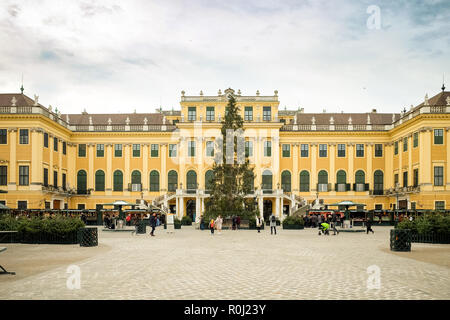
314 220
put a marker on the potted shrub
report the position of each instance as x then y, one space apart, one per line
186 221
293 222
177 223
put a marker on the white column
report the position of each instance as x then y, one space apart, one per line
181 208
277 202
261 205
197 207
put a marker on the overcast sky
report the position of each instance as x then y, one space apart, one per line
118 56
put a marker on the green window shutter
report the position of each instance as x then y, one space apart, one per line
172 181
100 181
286 181
118 180
81 181
154 181
304 181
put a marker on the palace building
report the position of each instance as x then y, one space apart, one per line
81 161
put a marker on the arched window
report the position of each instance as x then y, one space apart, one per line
304 181
118 181
378 184
323 177
341 181
81 182
360 177
172 179
323 181
209 177
267 180
341 177
191 180
135 177
360 181
286 181
100 180
154 180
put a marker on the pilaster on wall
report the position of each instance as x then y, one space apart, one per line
163 174
351 160
71 164
12 184
90 174
276 161
127 174
295 173
447 167
313 166
425 159
332 157
410 169
369 174
145 174
389 165
36 158
60 165
109 174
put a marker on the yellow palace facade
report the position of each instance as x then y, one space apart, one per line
81 161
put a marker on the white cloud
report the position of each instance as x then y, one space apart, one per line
109 56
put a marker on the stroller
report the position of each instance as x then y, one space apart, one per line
324 228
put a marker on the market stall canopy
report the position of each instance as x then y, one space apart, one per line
346 203
3 207
120 203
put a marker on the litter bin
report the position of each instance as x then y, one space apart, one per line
88 237
142 227
400 240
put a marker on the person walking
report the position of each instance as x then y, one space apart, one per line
153 223
234 221
136 222
218 224
259 222
273 224
211 226
333 223
369 226
238 222
128 220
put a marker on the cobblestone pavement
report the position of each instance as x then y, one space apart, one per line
192 264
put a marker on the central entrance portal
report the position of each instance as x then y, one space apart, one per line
267 209
190 209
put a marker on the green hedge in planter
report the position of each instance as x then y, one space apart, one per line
293 222
186 221
177 223
428 223
429 228
43 230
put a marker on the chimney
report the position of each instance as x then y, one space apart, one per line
374 110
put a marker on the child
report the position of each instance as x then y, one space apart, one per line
211 226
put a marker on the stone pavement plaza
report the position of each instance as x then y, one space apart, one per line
192 264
